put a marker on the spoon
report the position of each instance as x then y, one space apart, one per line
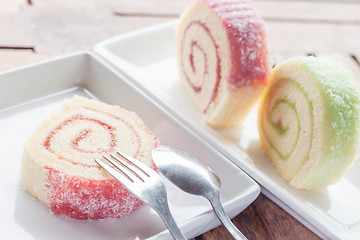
192 176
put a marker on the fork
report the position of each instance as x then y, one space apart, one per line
144 183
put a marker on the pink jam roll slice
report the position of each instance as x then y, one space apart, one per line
58 165
222 58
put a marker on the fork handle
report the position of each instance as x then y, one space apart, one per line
164 213
224 218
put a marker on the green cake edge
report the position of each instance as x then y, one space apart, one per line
341 118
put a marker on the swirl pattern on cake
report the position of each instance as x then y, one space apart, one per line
222 58
309 121
58 165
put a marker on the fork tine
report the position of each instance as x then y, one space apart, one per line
126 162
137 166
122 178
123 167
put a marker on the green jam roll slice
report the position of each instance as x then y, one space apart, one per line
309 121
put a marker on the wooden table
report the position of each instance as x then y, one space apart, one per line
34 30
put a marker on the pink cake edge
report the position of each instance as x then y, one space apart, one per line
82 198
254 29
249 70
88 199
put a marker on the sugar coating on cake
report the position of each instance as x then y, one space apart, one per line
222 58
58 166
309 121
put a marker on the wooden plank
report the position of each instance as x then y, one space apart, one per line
137 6
11 6
15 30
44 27
299 11
158 7
278 10
307 26
287 37
47 30
267 223
323 1
14 58
76 38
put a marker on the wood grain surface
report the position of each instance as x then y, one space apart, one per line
35 30
263 219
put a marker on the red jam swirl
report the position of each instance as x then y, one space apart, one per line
196 44
86 133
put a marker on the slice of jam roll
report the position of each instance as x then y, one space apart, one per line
58 165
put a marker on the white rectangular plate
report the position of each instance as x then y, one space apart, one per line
148 57
30 94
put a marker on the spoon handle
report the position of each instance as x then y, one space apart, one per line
224 218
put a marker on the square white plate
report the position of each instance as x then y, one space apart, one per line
30 94
148 57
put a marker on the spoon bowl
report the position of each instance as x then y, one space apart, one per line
191 175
